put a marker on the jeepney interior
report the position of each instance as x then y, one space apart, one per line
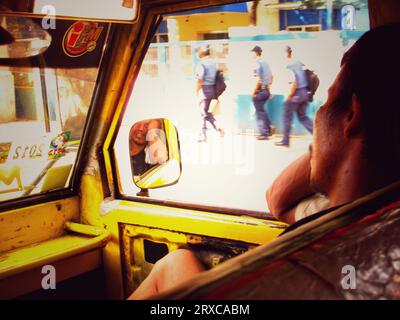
73 88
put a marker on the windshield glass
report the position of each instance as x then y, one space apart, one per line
233 146
48 79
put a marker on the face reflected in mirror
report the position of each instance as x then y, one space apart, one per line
154 153
147 145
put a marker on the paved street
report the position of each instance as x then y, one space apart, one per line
230 172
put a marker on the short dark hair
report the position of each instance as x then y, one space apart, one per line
371 71
205 49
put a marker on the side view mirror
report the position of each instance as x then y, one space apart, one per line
154 153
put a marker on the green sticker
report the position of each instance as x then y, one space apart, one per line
58 145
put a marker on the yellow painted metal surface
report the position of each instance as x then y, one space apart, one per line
91 198
118 91
23 259
241 228
83 229
161 176
172 137
30 225
112 264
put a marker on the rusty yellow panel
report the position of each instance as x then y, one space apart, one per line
29 225
156 234
91 198
177 222
135 266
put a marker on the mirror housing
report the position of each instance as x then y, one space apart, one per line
154 154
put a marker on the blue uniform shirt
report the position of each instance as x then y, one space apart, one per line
206 71
263 71
300 75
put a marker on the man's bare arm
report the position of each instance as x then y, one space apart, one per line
291 186
292 90
199 85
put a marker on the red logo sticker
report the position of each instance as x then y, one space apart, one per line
81 37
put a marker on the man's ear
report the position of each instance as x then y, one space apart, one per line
352 126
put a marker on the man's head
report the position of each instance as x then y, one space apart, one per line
137 135
362 113
257 51
288 51
203 51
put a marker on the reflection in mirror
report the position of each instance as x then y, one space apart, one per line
147 146
154 153
21 37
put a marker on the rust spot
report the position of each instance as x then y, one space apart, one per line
19 229
58 206
2 219
21 241
28 226
51 224
247 223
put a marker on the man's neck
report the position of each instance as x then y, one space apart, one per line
136 149
355 178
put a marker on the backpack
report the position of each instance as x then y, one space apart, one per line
220 85
313 83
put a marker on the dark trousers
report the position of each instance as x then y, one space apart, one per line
263 122
299 104
207 94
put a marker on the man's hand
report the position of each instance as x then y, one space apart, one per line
256 88
292 91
